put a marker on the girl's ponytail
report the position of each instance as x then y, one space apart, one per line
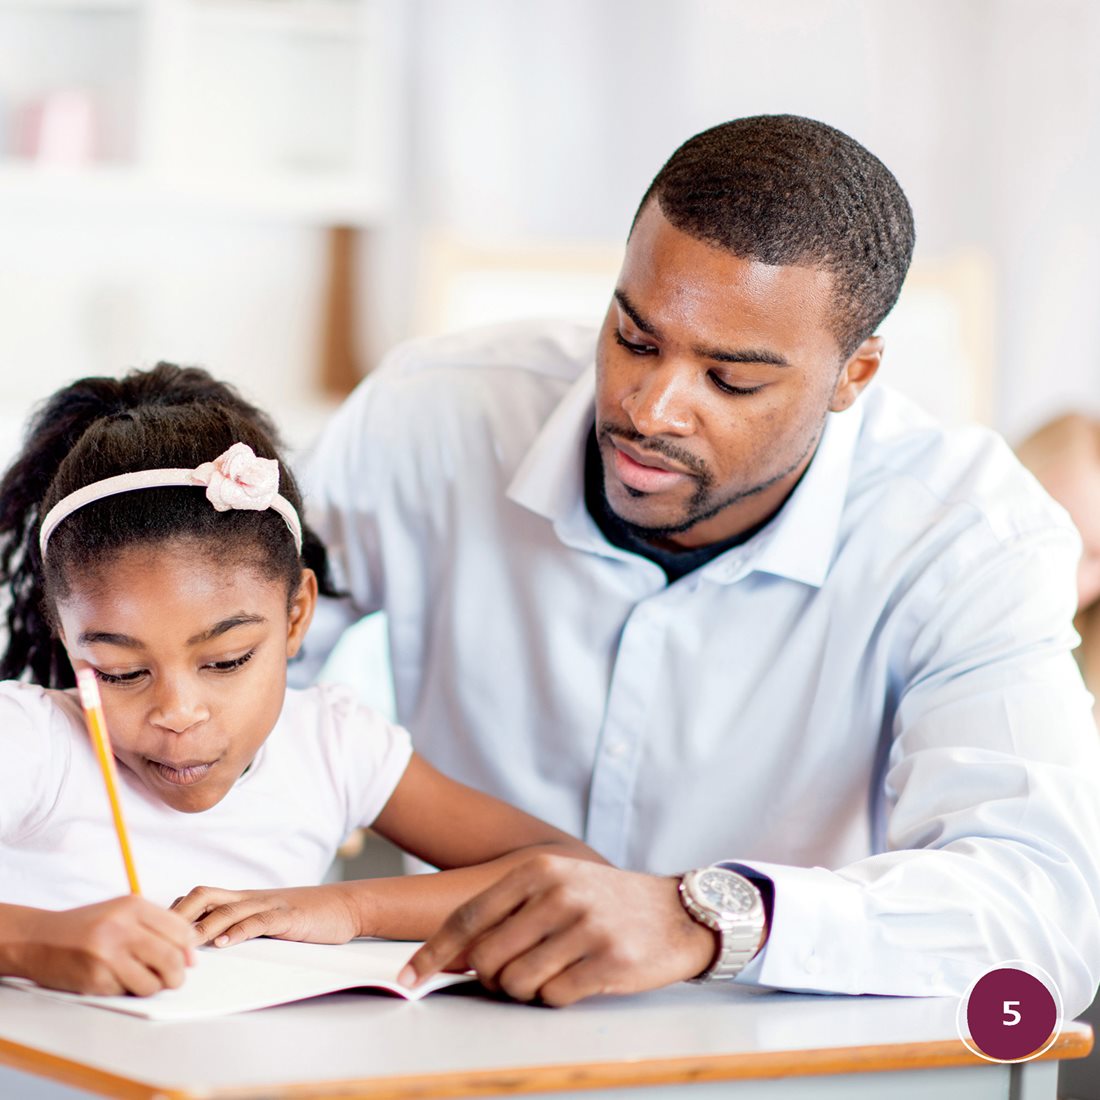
53 431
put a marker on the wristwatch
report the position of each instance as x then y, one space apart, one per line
729 904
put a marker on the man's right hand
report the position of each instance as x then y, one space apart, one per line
561 929
126 945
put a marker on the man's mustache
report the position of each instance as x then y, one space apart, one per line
654 445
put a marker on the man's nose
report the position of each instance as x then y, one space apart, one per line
660 402
178 706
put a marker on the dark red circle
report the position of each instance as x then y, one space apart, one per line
1010 1014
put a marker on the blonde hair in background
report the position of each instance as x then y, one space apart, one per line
1064 455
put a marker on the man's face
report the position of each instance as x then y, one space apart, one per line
714 375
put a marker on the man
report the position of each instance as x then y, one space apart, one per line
686 589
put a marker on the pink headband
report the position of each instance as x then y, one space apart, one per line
235 479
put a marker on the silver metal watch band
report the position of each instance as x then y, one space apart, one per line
738 946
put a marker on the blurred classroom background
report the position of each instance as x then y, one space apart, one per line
281 190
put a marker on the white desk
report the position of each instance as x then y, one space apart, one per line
676 1041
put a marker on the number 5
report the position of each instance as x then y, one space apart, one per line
1011 1011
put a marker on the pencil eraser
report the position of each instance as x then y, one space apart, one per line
89 690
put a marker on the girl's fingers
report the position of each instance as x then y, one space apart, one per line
201 900
135 975
166 960
217 922
266 922
170 926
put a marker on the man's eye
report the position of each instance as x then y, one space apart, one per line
740 391
119 678
634 349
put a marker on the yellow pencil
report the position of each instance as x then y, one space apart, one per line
97 729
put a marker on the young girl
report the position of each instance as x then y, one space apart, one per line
150 531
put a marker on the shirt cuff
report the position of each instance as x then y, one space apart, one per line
813 911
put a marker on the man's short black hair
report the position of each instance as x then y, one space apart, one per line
785 190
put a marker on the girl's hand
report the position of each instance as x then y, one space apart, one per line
315 914
126 945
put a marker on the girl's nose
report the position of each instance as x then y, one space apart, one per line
178 708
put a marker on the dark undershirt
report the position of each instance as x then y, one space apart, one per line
675 563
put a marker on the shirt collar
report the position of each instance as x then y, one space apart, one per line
550 479
798 543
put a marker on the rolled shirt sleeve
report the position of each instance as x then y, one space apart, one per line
991 796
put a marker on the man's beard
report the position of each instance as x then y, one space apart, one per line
703 505
700 508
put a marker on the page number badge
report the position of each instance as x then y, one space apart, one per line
1011 1013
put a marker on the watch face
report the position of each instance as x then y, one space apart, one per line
725 891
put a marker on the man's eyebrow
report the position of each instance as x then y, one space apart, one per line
218 629
746 355
631 310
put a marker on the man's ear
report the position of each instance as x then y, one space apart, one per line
301 612
856 373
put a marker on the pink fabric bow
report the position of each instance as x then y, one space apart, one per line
239 479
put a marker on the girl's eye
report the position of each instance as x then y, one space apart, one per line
119 678
634 349
740 391
229 666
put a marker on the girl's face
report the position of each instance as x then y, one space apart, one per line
191 662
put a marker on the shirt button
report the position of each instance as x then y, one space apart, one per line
617 749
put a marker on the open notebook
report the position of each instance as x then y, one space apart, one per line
261 973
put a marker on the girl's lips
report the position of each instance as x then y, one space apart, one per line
644 479
182 775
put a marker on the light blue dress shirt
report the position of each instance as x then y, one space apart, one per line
872 702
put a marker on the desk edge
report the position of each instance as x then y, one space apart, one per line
941 1053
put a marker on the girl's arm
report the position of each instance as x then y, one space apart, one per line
472 837
126 945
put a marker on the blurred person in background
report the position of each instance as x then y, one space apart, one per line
1064 454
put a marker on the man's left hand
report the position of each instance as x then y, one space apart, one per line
560 929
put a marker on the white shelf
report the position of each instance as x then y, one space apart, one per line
306 16
271 108
76 7
324 200
335 18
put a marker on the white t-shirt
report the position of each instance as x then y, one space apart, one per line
329 766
